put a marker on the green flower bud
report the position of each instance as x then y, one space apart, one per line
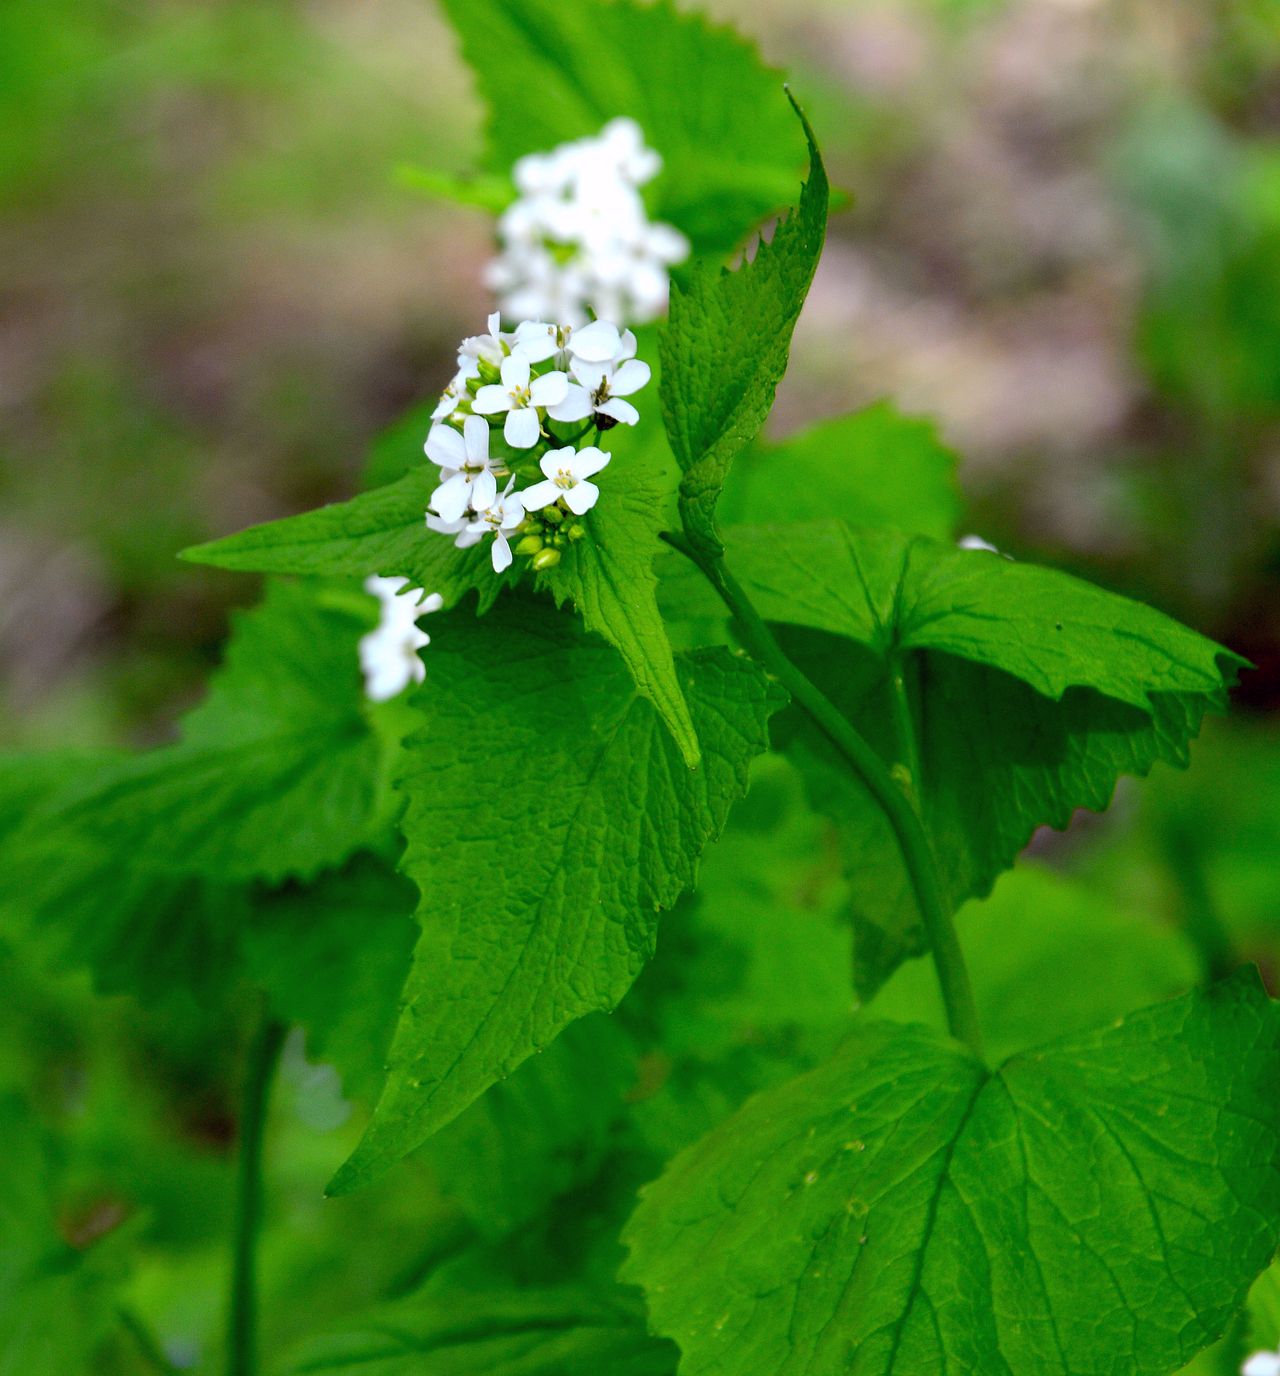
576 532
546 559
531 544
552 514
489 372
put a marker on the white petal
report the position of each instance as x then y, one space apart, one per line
549 389
590 461
431 603
1262 1364
521 429
575 406
512 511
540 495
536 339
475 434
590 375
495 325
501 552
484 490
633 375
556 459
446 447
597 342
450 498
620 410
626 346
581 497
491 400
515 372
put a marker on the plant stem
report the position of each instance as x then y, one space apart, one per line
935 913
1201 920
242 1335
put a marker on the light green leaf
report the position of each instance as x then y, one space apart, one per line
333 956
549 819
1099 1205
726 347
562 1332
554 70
609 575
383 531
875 467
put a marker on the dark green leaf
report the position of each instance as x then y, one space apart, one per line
726 347
549 819
1099 1205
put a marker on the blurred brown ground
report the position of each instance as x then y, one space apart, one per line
213 294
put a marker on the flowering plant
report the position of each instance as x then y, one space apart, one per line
669 655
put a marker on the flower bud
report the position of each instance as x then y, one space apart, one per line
531 544
552 514
576 532
546 559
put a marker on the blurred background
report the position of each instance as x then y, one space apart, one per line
1063 244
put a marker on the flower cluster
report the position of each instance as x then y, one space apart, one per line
550 384
578 238
389 653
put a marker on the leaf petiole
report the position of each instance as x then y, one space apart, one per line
908 829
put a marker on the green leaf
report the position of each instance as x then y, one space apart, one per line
1099 1205
278 771
554 70
726 347
382 531
609 575
561 1332
333 956
875 467
549 819
1027 693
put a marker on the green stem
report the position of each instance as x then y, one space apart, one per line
904 727
242 1335
563 440
935 913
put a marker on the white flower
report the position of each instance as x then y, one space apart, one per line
519 396
565 475
607 383
461 529
578 240
602 342
466 476
538 340
500 517
1262 1364
389 654
491 347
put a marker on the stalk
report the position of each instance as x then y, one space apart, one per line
894 802
242 1334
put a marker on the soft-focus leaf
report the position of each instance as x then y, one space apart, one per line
554 70
1099 1205
875 467
545 836
563 1332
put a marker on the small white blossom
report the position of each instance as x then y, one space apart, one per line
565 475
466 477
465 537
389 654
578 239
498 519
492 347
1262 1364
605 384
519 395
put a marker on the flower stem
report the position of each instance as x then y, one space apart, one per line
935 911
242 1335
